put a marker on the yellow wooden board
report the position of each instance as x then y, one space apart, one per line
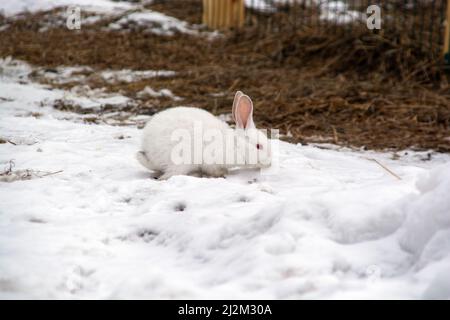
447 35
223 14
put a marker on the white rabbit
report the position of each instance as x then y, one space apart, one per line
159 141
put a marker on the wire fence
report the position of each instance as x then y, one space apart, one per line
420 20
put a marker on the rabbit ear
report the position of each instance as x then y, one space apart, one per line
244 112
236 98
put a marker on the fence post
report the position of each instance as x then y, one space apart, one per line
447 36
223 14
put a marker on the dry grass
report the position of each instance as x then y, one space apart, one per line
11 175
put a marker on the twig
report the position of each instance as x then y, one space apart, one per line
51 173
384 167
9 170
335 135
234 85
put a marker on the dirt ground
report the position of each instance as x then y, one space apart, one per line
353 89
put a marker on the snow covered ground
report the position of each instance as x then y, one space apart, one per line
124 16
156 22
13 7
336 11
79 217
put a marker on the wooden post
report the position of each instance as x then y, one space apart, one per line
223 14
447 36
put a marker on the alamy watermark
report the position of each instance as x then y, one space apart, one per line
251 148
373 273
373 17
73 21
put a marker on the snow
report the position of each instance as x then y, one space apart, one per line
133 75
79 74
124 15
63 75
260 5
335 11
13 7
86 221
338 11
149 92
97 10
159 23
428 215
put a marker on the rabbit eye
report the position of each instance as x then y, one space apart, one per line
259 147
